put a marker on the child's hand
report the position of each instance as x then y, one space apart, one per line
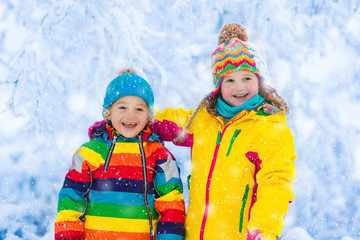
254 235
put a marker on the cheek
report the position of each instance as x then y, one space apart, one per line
143 117
254 89
225 90
115 116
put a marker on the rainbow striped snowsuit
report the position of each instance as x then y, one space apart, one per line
94 204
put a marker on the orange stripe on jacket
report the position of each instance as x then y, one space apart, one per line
113 235
68 225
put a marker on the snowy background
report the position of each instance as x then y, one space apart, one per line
57 57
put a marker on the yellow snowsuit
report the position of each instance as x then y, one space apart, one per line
242 172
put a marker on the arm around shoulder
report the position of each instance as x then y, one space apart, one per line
170 122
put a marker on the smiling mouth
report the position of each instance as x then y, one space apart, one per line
129 124
240 95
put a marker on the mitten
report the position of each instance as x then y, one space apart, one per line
254 235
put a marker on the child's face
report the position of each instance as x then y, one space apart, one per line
129 115
238 87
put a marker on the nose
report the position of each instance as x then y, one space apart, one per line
239 85
131 115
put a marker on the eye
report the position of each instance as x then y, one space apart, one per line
229 80
140 109
122 107
247 78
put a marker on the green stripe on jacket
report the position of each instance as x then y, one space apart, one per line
119 211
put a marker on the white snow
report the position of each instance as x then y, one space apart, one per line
57 57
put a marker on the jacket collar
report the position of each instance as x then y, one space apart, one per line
257 114
147 135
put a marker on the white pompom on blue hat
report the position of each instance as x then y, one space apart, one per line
129 84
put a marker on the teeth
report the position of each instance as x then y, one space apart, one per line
133 124
240 95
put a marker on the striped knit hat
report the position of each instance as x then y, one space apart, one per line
232 54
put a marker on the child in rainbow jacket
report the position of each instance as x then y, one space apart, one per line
241 149
123 183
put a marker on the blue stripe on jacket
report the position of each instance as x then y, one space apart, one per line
71 193
170 228
79 186
121 185
120 198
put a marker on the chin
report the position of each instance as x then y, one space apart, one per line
129 135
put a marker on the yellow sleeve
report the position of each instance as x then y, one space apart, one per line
178 116
170 122
275 181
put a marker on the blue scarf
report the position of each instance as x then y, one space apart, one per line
229 112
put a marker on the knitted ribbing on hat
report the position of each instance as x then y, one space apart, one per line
232 54
128 84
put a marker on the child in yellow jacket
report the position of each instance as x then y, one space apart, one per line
241 148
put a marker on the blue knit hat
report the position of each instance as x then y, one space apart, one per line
129 84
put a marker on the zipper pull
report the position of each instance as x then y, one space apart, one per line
244 199
111 149
218 138
236 133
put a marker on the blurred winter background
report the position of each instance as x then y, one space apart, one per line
56 58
